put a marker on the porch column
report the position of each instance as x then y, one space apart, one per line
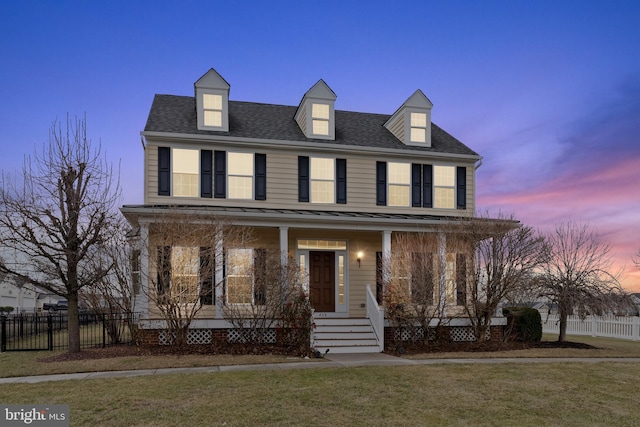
219 273
141 301
284 245
386 256
442 273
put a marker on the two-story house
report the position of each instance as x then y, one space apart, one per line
329 188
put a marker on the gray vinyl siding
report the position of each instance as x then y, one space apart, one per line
282 181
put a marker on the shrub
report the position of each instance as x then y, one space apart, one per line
524 323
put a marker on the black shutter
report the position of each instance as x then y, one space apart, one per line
259 276
220 172
381 183
206 173
461 178
207 273
164 171
260 162
303 178
163 284
416 185
379 285
427 186
461 279
341 181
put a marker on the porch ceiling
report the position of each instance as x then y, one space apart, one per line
299 218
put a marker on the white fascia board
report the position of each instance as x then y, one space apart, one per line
302 145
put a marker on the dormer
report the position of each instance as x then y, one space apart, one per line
316 113
411 123
212 102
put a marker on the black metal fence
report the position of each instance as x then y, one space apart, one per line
37 332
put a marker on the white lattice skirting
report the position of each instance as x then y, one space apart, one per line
456 333
203 336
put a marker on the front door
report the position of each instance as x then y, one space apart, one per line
322 278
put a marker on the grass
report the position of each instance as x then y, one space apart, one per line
572 394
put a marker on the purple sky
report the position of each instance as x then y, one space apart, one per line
547 92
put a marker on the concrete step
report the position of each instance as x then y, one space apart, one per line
343 335
349 349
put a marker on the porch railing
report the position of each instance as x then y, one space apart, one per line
375 314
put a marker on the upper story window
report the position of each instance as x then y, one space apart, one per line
185 168
444 183
212 109
418 127
320 119
399 184
322 180
240 175
208 173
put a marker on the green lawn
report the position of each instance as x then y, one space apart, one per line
571 394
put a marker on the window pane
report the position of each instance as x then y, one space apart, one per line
418 135
184 273
185 161
322 168
322 244
240 276
212 118
450 277
399 173
212 102
398 195
322 192
240 187
321 127
444 198
320 111
419 120
444 176
240 164
185 185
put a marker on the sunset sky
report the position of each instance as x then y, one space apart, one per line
548 92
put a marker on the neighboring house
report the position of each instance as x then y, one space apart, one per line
14 293
329 188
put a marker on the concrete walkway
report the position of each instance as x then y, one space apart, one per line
331 361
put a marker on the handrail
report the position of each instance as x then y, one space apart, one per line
375 314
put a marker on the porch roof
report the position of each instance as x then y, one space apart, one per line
301 218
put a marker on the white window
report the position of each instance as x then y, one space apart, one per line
444 187
240 276
185 167
322 180
398 183
240 175
450 278
212 109
185 263
320 119
418 127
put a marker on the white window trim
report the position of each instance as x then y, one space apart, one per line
324 180
448 187
252 176
407 185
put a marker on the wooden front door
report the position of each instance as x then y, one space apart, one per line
322 281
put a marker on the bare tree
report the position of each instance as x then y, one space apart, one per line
274 296
411 298
56 214
506 256
182 266
577 273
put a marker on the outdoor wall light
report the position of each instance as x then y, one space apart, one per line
359 258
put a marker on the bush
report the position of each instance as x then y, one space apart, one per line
523 323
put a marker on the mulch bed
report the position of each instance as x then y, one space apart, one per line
131 350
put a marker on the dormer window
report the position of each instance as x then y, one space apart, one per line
411 123
212 109
315 114
418 127
320 119
212 102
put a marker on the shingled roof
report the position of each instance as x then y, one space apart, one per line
177 114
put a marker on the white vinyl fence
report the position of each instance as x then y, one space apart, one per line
625 327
